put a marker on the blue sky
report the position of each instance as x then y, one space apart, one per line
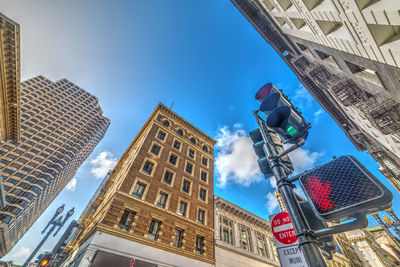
203 56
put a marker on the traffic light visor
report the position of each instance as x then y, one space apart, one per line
270 102
263 92
278 117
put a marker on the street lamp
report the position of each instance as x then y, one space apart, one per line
59 222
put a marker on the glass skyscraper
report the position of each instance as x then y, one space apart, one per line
60 126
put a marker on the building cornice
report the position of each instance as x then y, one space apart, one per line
139 239
162 107
221 203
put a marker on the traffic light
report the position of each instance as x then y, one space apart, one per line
328 246
45 260
342 188
274 144
283 117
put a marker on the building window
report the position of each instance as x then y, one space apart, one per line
162 200
179 132
205 149
177 145
182 208
200 245
226 230
126 220
148 167
166 123
202 194
168 177
178 238
261 245
203 176
139 190
155 149
154 229
204 161
189 168
172 159
201 216
186 186
161 135
192 140
245 241
191 153
365 73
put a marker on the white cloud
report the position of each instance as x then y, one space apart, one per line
21 253
317 114
272 202
102 164
304 159
236 161
302 97
71 186
272 181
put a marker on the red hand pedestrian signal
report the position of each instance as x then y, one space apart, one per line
319 192
343 187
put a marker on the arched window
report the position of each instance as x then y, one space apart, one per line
192 140
180 132
166 123
205 149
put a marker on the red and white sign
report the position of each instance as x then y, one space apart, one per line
132 263
282 229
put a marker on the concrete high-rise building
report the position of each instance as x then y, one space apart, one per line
242 238
372 248
347 54
60 126
385 240
281 203
9 79
157 205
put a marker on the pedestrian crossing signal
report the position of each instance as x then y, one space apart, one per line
342 188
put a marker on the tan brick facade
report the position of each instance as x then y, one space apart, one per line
107 210
9 79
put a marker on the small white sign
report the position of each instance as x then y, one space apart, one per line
291 256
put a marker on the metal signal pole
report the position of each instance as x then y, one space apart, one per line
55 223
307 242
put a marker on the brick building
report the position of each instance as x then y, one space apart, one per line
157 205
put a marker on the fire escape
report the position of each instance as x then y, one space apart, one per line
386 116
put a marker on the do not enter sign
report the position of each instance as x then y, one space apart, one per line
282 229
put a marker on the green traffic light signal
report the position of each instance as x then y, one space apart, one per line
282 115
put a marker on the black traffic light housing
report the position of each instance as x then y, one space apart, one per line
283 117
45 260
343 188
258 141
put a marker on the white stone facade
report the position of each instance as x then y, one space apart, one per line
258 250
366 28
347 54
